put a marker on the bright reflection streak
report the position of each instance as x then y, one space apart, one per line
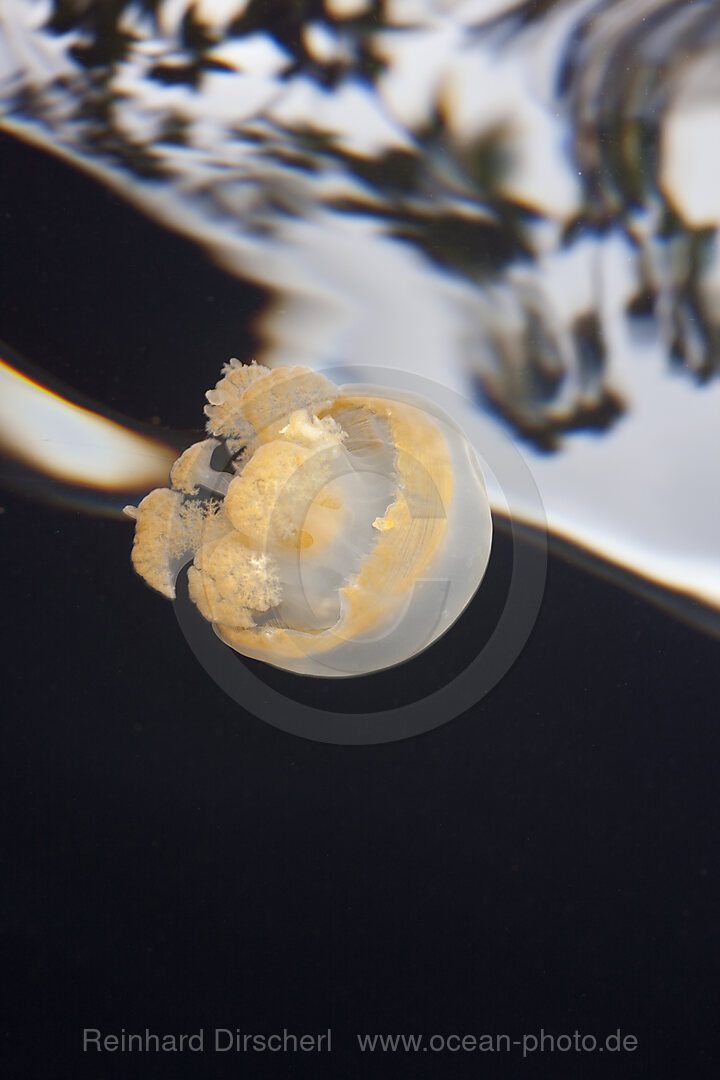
695 578
70 443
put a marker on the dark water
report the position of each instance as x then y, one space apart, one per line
546 861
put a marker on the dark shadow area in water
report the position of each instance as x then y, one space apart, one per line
89 287
545 860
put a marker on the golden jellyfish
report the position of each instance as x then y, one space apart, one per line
333 531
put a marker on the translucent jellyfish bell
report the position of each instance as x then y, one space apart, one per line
348 530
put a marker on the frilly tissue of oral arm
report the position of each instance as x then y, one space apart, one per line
332 531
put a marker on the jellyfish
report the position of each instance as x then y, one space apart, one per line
331 531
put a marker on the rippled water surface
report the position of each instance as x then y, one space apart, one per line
520 201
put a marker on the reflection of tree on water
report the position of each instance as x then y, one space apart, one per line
252 115
437 196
